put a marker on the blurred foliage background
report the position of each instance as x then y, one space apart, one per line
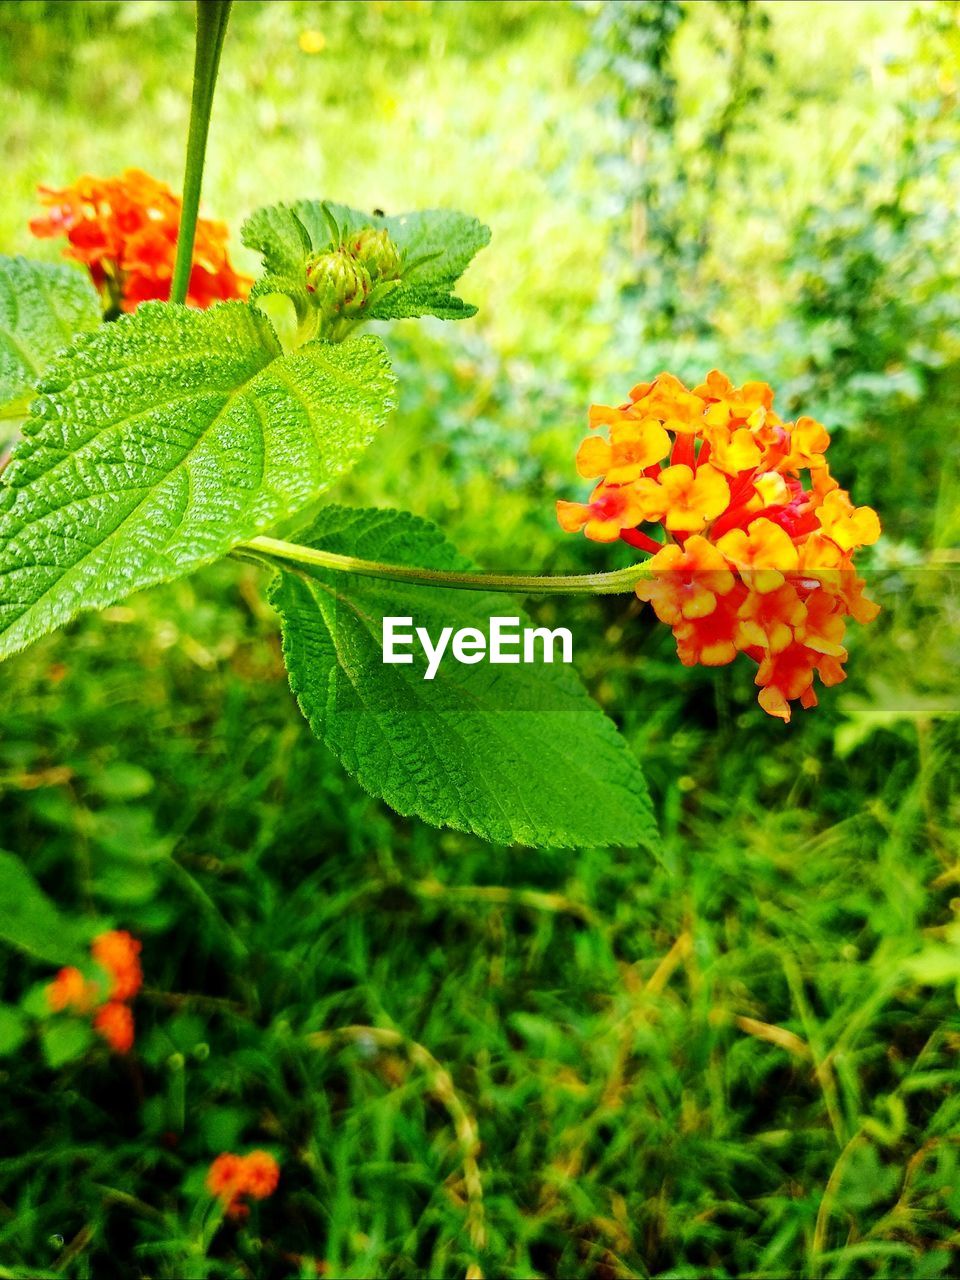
739 1059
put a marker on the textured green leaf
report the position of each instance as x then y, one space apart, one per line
513 753
437 245
163 440
44 306
29 921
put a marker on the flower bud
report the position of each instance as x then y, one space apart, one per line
377 252
340 284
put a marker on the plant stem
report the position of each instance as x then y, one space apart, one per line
616 582
212 17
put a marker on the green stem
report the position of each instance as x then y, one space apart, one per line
616 582
212 17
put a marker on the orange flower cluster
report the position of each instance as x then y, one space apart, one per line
232 1177
118 955
124 230
749 558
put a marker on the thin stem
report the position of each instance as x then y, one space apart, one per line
212 17
616 582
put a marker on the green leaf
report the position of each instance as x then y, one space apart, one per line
121 780
35 1001
29 921
935 965
161 442
513 753
9 432
13 1030
44 306
437 247
64 1041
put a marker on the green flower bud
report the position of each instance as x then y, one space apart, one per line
339 283
377 252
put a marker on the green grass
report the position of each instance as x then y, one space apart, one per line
458 104
720 1062
715 1065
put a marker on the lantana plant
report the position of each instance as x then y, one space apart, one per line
747 559
231 1178
116 955
171 412
124 231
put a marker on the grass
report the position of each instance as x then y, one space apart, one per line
471 1060
519 147
717 1065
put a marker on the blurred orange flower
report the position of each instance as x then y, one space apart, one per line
747 559
124 231
231 1177
114 1022
262 1174
117 953
71 990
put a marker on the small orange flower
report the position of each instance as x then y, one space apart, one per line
784 677
762 553
633 446
124 230
772 490
118 952
712 639
753 402
225 1176
848 526
788 675
695 497
767 620
732 451
71 990
667 400
611 508
808 443
231 1177
685 581
756 543
114 1022
262 1174
822 627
